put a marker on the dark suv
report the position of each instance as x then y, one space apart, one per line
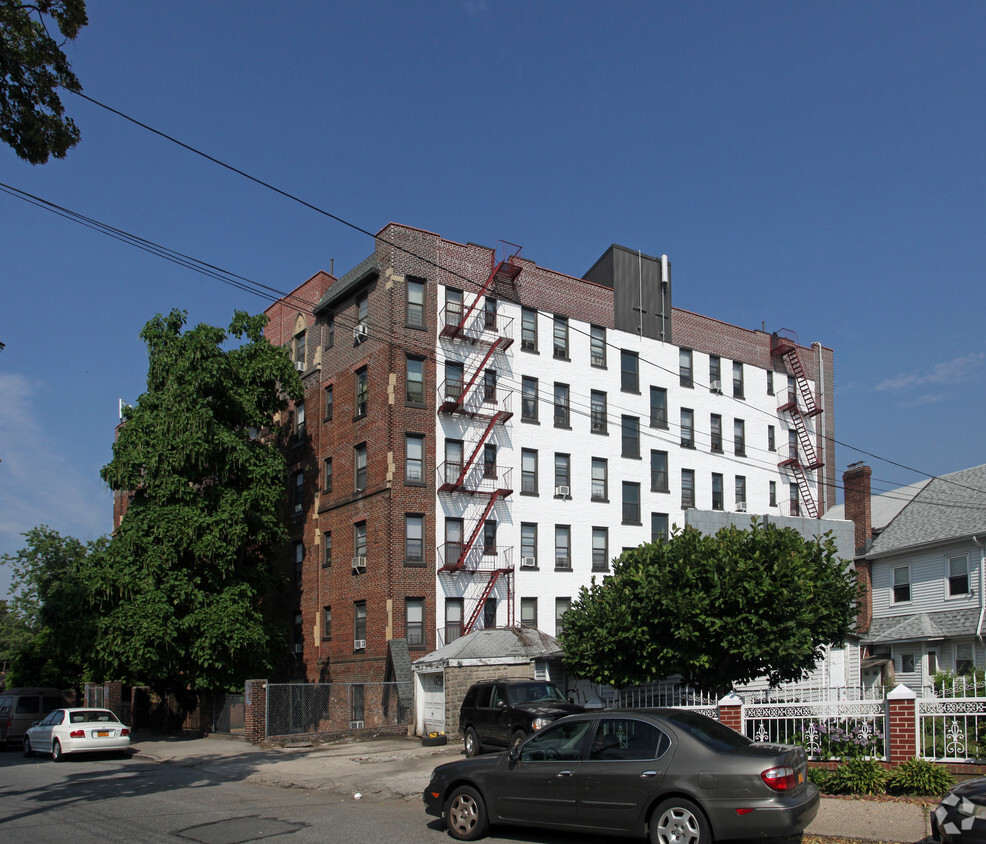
502 713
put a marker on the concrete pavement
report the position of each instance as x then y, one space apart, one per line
399 768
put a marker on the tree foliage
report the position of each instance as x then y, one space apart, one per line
716 610
32 69
179 592
49 619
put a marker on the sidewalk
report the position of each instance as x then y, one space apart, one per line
399 768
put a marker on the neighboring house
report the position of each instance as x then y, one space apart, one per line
481 436
926 570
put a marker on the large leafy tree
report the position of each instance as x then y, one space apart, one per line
49 627
717 610
32 69
179 593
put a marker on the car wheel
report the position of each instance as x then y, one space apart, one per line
56 752
465 814
27 748
519 738
679 821
472 746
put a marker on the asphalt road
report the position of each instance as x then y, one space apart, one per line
111 799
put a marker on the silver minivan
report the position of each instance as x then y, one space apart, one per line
20 708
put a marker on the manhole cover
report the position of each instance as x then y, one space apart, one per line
238 830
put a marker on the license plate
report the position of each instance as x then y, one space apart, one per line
102 733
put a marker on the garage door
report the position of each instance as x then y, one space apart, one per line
433 702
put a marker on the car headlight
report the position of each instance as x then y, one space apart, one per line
540 723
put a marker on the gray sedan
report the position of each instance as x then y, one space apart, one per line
673 775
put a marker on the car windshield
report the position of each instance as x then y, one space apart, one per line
534 693
711 733
93 715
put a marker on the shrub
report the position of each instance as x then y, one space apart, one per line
858 776
821 778
919 778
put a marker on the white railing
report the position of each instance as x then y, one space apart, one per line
827 730
952 729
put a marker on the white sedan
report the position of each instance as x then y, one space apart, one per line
76 731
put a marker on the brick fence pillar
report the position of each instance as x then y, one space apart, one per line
731 711
902 725
255 711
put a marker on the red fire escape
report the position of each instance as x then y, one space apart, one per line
799 406
472 395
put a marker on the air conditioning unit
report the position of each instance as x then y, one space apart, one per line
716 387
359 644
355 725
297 650
741 507
360 333
299 365
528 562
359 565
563 491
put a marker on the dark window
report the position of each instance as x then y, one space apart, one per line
658 407
529 399
414 535
560 338
529 330
597 346
561 406
629 372
415 381
659 471
685 377
415 302
717 491
597 412
414 621
362 390
958 575
631 436
631 503
902 584
328 403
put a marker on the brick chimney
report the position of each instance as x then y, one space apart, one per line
856 492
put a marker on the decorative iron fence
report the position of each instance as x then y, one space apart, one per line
827 730
334 708
952 729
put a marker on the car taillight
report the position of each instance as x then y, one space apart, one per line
780 779
77 734
124 732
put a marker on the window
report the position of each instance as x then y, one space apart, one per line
630 427
414 621
299 562
688 427
362 310
528 543
792 444
328 403
414 538
739 438
685 368
771 438
715 432
359 625
773 494
659 471
299 422
453 306
489 538
600 549
902 584
489 313
327 475
599 480
528 472
327 549
907 663
631 503
489 613
330 332
597 412
687 488
359 545
528 612
529 399
559 342
299 348
453 380
740 488
453 541
362 389
414 459
563 473
770 382
415 302
932 662
359 459
794 502
963 659
528 330
597 346
489 386
562 606
958 575
489 461
715 373
299 492
414 380
453 461
629 372
717 491
658 407
658 527
561 406
563 547
737 380
326 624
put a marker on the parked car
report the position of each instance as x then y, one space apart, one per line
77 730
19 708
961 815
502 713
670 774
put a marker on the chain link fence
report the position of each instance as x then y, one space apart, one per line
332 709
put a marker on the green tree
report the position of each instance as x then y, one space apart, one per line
716 610
179 593
32 69
50 620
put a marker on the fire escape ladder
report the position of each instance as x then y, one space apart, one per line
497 417
481 602
506 270
793 361
811 460
806 495
500 342
467 546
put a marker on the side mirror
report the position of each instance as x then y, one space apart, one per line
35 723
514 753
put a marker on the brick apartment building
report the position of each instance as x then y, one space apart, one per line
480 436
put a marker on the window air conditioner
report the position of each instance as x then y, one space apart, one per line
564 491
299 365
360 333
359 565
359 644
716 387
741 507
528 562
355 725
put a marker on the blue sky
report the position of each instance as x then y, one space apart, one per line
811 166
